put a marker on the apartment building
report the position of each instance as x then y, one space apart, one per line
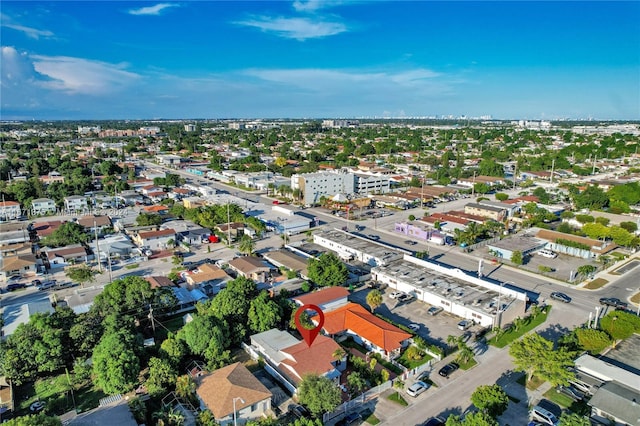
9 210
371 184
314 186
42 206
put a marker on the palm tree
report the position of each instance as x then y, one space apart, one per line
465 353
247 245
338 354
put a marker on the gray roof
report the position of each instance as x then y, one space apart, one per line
484 207
524 244
273 341
606 371
618 401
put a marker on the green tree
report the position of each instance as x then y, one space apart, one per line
478 418
247 245
232 305
206 418
592 198
535 355
132 296
621 236
501 196
81 274
161 375
67 234
115 362
586 270
203 331
39 419
595 230
319 394
573 419
173 349
592 340
517 258
374 299
491 399
629 226
148 219
264 313
327 270
356 383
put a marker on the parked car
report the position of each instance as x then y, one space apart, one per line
613 301
36 283
395 294
417 388
548 254
423 376
373 284
46 285
414 327
464 324
571 392
404 298
434 421
479 335
299 411
543 415
350 419
434 310
560 296
15 286
66 284
448 369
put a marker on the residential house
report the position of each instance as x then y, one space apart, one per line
19 264
95 224
366 329
146 190
617 402
69 255
235 229
187 231
51 178
155 240
44 229
161 210
75 203
159 282
15 233
168 160
327 299
488 180
15 315
496 213
209 278
288 359
9 210
43 206
283 258
233 392
115 246
251 267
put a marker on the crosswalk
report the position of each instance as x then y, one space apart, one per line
110 399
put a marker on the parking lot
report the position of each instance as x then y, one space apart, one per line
433 328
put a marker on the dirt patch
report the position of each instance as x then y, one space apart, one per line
596 284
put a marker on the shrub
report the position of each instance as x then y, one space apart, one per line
592 341
544 268
306 287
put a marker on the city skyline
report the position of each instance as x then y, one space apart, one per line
314 59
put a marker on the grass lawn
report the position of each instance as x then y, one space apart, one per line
132 266
596 284
413 363
172 324
372 420
512 335
55 392
472 363
349 343
560 399
532 384
396 397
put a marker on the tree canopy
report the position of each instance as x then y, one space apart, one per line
328 270
535 355
67 234
115 362
491 399
319 394
374 299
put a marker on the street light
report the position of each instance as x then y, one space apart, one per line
235 422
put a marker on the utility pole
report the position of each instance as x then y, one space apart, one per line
228 224
593 171
95 228
153 323
553 166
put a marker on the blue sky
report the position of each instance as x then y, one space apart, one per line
314 59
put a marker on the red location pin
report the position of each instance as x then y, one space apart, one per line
309 335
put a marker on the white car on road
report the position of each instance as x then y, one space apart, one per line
396 294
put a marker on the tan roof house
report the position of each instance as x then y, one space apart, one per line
155 240
209 278
233 387
20 264
64 256
91 222
251 267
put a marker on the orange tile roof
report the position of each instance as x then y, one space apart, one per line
156 208
320 297
154 234
314 359
366 325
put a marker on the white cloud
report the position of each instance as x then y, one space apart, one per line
295 28
81 76
30 32
152 10
309 5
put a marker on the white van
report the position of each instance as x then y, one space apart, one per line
540 414
547 253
